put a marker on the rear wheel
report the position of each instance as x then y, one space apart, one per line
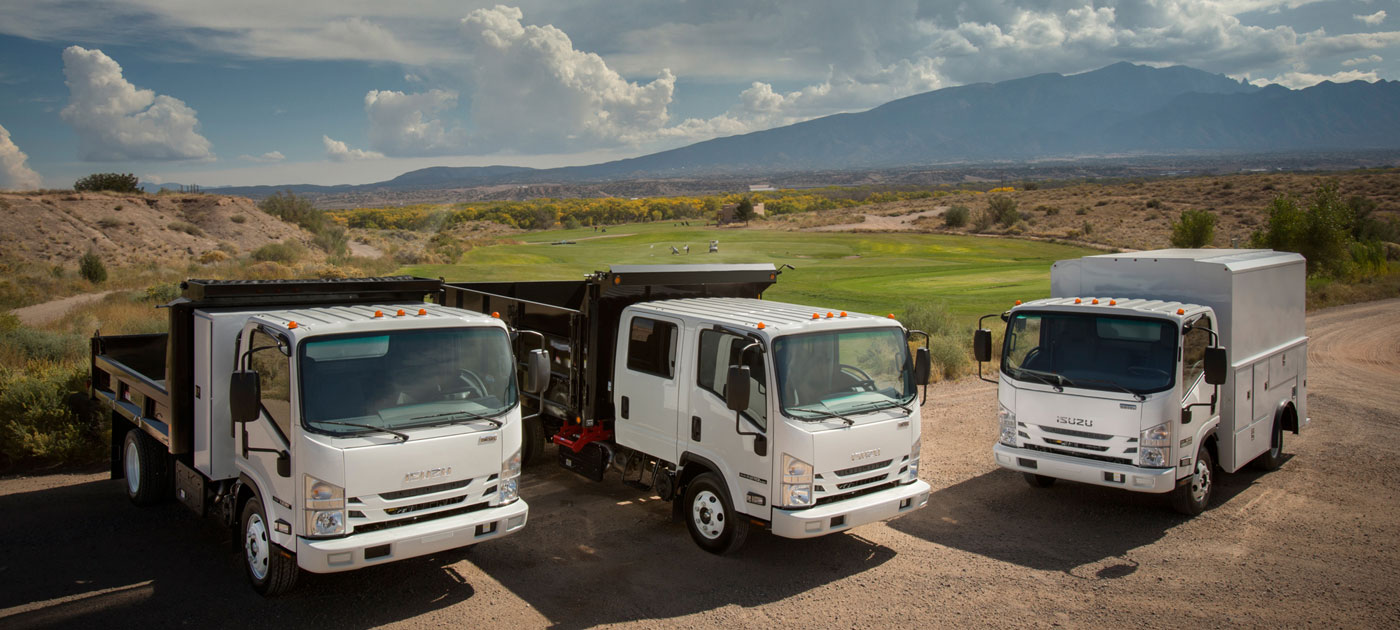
1039 481
1192 497
1273 458
145 466
270 570
711 518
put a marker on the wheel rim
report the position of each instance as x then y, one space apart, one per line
707 513
255 546
133 468
1200 482
1277 449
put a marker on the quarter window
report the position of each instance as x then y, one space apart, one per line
651 347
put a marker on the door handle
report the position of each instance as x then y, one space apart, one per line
624 407
695 428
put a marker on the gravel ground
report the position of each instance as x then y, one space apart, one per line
1313 544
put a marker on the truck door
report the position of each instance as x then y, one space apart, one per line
711 430
1193 385
646 393
270 435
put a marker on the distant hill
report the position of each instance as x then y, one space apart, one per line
1122 109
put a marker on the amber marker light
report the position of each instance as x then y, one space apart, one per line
291 325
1018 302
891 316
843 313
761 326
830 314
422 311
1096 301
400 313
379 313
1077 300
1113 302
496 314
816 316
1181 311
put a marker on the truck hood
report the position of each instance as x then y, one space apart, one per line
1079 410
869 454
422 461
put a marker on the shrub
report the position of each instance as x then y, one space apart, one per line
1003 210
108 181
286 252
1081 211
572 223
1088 228
956 216
22 343
1195 229
238 218
333 240
1322 232
188 228
36 421
1049 211
108 223
948 341
90 267
983 221
1154 203
1100 203
163 293
212 256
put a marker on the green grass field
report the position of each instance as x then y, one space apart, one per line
871 273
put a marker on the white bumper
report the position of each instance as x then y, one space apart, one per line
1098 473
842 515
409 541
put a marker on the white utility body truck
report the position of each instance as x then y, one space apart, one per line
1147 371
744 411
332 424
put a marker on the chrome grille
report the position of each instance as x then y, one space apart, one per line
424 506
1059 451
1075 433
860 469
416 492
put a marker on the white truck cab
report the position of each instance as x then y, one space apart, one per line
1148 371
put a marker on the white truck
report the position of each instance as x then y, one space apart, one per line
743 411
331 424
1147 371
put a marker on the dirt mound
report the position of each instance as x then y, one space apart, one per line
58 228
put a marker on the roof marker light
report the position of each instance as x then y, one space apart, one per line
891 316
400 313
1181 311
830 315
1018 302
422 311
816 316
761 326
291 325
1077 300
496 314
1113 302
1096 301
379 313
843 313
617 279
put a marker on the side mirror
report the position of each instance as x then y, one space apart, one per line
1217 365
922 366
982 345
244 396
760 445
537 371
736 389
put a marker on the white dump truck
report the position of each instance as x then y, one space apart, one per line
332 424
1147 371
743 411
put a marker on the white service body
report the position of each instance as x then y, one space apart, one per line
1254 300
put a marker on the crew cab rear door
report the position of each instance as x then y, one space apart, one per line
645 390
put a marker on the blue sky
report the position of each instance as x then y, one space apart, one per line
355 91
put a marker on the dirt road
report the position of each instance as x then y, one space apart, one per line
1316 544
39 314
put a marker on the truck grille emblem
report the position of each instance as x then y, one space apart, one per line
425 475
860 455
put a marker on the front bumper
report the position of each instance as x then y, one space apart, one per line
1105 474
842 515
410 541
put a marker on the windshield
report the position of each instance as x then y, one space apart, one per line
393 380
1131 354
843 372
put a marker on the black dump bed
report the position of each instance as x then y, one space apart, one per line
579 319
149 379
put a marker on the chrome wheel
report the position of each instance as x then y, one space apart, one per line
1200 481
256 546
707 512
133 468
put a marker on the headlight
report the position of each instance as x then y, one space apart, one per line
914 459
796 487
1007 419
325 508
509 486
1155 446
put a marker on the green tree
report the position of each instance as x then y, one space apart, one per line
744 210
117 182
956 216
91 268
1321 232
1003 210
1196 229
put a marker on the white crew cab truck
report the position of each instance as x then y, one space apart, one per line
332 424
1147 371
744 411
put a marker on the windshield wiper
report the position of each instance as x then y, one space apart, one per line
403 437
1041 376
473 416
879 405
1135 395
825 414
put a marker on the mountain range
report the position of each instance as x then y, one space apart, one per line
1118 110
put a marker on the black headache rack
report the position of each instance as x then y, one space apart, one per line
579 319
176 372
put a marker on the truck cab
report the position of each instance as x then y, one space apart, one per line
799 418
330 436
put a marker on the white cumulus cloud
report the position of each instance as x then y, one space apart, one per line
1299 80
1372 19
1363 60
15 173
338 151
407 124
115 120
266 158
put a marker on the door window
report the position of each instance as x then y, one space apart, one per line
1193 352
275 375
651 347
720 350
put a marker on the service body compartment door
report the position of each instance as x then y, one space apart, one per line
645 391
711 432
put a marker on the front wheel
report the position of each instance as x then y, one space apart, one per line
145 466
270 570
1192 497
711 518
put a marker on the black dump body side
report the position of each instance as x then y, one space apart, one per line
140 353
580 319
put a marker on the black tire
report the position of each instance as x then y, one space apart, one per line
278 568
1273 458
532 436
1039 481
1193 496
710 516
146 466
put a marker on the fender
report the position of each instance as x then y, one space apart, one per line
275 511
1286 416
1203 436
